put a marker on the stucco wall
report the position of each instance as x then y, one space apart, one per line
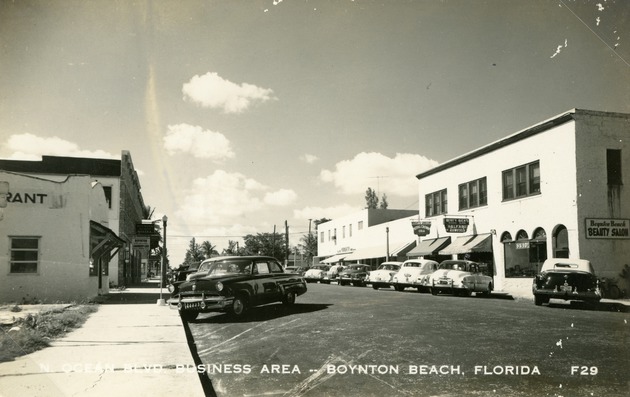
595 134
62 223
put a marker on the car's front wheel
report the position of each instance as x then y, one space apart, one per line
239 306
289 298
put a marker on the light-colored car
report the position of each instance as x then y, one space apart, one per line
412 273
316 273
461 278
332 274
568 279
381 277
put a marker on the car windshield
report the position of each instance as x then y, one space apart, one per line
413 264
389 267
230 267
356 267
320 268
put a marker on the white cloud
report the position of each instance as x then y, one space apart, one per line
31 147
213 91
324 212
222 199
280 197
309 158
200 143
392 176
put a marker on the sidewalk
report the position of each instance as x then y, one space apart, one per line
130 346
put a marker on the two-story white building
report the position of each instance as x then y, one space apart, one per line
555 189
369 236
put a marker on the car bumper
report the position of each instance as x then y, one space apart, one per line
201 304
567 295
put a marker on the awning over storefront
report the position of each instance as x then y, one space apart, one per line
103 240
430 246
335 258
468 244
403 249
379 251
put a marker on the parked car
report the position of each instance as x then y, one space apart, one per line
414 273
333 273
316 273
235 284
354 274
568 279
382 276
461 278
183 271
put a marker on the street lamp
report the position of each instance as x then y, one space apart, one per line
161 301
387 238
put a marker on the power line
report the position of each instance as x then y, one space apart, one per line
595 33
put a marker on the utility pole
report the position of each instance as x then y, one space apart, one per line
286 243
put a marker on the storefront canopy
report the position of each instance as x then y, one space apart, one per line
103 240
468 244
380 251
335 258
430 246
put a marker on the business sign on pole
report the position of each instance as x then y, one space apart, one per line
456 225
145 228
597 228
421 228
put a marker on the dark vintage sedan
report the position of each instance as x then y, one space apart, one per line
354 274
235 284
568 279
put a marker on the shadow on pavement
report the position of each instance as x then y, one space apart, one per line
600 306
263 313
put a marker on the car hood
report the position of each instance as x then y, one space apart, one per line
313 272
208 283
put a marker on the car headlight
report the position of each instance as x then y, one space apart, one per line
219 286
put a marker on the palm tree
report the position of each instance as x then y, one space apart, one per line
208 249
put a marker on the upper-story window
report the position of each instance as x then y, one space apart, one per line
343 232
108 195
360 225
521 181
613 166
435 203
350 230
321 237
473 194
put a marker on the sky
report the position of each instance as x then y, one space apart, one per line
243 115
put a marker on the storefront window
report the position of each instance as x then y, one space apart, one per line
524 257
24 254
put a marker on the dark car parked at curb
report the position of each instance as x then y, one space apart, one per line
355 275
235 284
568 279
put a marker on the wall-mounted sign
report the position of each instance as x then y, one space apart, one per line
140 242
26 198
456 225
607 228
421 228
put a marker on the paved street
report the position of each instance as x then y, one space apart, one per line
347 341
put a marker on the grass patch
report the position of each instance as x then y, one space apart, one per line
36 331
